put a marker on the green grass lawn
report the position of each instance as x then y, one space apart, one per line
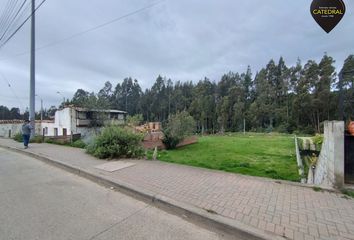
262 155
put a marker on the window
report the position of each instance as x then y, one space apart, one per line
55 131
81 115
64 132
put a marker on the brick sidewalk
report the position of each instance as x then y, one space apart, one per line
293 212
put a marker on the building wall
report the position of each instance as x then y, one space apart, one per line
329 170
64 119
10 128
49 129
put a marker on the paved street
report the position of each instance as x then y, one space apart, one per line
278 208
38 201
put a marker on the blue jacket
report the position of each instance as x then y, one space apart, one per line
26 129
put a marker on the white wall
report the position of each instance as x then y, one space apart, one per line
15 128
329 170
65 118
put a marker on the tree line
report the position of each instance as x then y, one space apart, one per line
277 98
15 113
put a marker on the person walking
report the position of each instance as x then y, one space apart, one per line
26 133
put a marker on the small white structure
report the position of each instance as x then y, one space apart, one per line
67 121
329 171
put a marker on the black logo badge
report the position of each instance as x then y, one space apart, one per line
327 13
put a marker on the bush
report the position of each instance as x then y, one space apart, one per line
318 140
49 140
18 137
78 144
308 130
289 127
135 120
178 127
37 139
115 142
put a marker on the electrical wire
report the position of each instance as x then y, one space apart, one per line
13 34
89 29
6 13
23 14
12 90
13 20
7 19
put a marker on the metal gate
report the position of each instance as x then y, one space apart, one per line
349 158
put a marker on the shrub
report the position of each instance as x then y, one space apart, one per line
179 126
308 130
282 128
18 137
135 120
116 142
318 139
78 144
288 127
37 139
49 140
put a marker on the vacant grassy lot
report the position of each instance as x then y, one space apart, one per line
262 155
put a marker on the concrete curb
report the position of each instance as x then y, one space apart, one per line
191 213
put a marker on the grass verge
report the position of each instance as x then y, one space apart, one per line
264 155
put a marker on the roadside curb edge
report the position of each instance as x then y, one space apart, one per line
189 212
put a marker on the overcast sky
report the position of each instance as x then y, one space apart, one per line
180 39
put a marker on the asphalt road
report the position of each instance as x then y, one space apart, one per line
38 201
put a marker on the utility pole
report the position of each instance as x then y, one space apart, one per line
32 72
41 110
41 107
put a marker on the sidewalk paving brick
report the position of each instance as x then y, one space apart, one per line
290 211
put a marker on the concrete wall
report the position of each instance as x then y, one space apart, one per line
9 130
63 120
12 128
329 170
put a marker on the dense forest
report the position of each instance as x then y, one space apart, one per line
277 98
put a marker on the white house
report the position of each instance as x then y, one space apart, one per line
67 121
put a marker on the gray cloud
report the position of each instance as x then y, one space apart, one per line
183 40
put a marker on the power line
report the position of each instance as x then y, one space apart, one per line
7 11
23 13
9 18
13 34
12 90
90 29
13 19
